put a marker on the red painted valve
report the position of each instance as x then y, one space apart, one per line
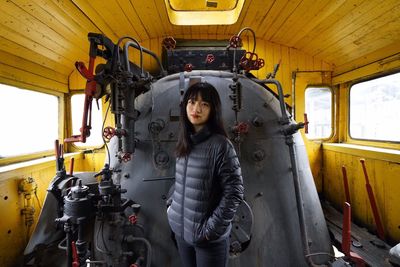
132 219
169 43
248 61
235 41
260 63
210 58
188 67
241 128
126 157
108 133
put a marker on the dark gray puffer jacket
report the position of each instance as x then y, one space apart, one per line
208 189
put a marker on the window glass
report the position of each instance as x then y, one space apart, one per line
95 138
318 101
29 121
375 109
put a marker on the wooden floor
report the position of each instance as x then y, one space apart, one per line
368 246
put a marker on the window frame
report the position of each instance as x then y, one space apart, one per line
362 141
332 111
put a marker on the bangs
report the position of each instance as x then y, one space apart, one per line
200 90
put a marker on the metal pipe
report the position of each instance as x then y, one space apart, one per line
254 36
285 118
288 132
136 45
131 239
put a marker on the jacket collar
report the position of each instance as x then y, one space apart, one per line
200 136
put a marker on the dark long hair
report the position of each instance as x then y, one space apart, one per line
209 94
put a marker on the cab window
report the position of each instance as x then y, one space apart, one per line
375 109
29 121
95 139
318 107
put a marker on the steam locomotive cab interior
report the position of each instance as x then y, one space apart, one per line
90 102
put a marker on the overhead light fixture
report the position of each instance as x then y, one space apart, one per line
195 12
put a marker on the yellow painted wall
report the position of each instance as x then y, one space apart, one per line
382 159
383 172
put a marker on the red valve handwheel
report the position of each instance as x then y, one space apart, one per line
108 132
188 67
210 58
169 43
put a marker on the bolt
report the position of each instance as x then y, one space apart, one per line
258 155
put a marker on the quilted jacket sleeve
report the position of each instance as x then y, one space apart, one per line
230 178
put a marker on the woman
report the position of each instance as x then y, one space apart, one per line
208 181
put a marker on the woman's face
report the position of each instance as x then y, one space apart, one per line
198 112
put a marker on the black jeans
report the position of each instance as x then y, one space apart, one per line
207 254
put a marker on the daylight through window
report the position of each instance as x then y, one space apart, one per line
29 121
318 106
375 109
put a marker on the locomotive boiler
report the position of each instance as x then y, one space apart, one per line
117 217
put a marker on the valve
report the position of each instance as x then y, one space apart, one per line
241 128
108 133
210 58
188 67
260 63
169 43
249 61
235 42
126 157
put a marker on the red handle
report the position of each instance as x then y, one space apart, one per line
375 213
